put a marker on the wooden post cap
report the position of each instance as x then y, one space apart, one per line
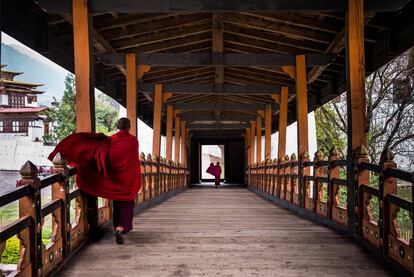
28 170
318 155
287 158
59 160
387 157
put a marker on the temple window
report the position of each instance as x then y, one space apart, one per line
15 126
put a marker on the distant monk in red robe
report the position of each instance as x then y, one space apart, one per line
107 167
211 169
217 174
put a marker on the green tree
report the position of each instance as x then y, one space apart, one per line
63 115
328 132
106 115
389 112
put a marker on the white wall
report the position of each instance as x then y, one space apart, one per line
4 99
36 132
291 138
14 153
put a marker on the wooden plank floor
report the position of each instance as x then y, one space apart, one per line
224 232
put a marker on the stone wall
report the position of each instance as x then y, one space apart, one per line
14 152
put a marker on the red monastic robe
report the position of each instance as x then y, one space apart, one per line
107 167
210 169
214 170
217 171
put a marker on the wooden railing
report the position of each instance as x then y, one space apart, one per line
37 259
324 194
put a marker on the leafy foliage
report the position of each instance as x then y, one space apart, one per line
11 252
389 113
106 115
328 134
63 117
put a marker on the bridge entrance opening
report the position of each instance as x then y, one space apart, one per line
229 152
211 154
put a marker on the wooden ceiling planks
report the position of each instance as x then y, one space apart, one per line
248 30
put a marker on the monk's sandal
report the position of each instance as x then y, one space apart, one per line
119 237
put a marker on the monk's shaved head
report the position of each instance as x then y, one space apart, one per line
123 124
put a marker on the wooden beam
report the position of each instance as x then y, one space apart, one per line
156 139
183 143
258 138
131 92
335 47
142 69
216 59
210 6
283 111
276 97
222 106
209 117
83 52
290 70
355 100
170 115
217 126
130 25
268 131
252 140
217 49
166 96
177 139
302 118
211 89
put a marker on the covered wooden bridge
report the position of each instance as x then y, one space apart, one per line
220 72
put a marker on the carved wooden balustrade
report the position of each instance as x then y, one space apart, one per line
384 232
36 259
325 194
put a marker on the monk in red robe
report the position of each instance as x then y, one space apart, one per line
107 167
217 174
211 169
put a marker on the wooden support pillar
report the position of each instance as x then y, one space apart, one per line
258 138
355 54
247 142
183 142
247 156
283 108
85 94
83 56
268 131
177 139
170 115
156 140
131 91
302 119
252 136
301 105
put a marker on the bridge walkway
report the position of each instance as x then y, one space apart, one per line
223 232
